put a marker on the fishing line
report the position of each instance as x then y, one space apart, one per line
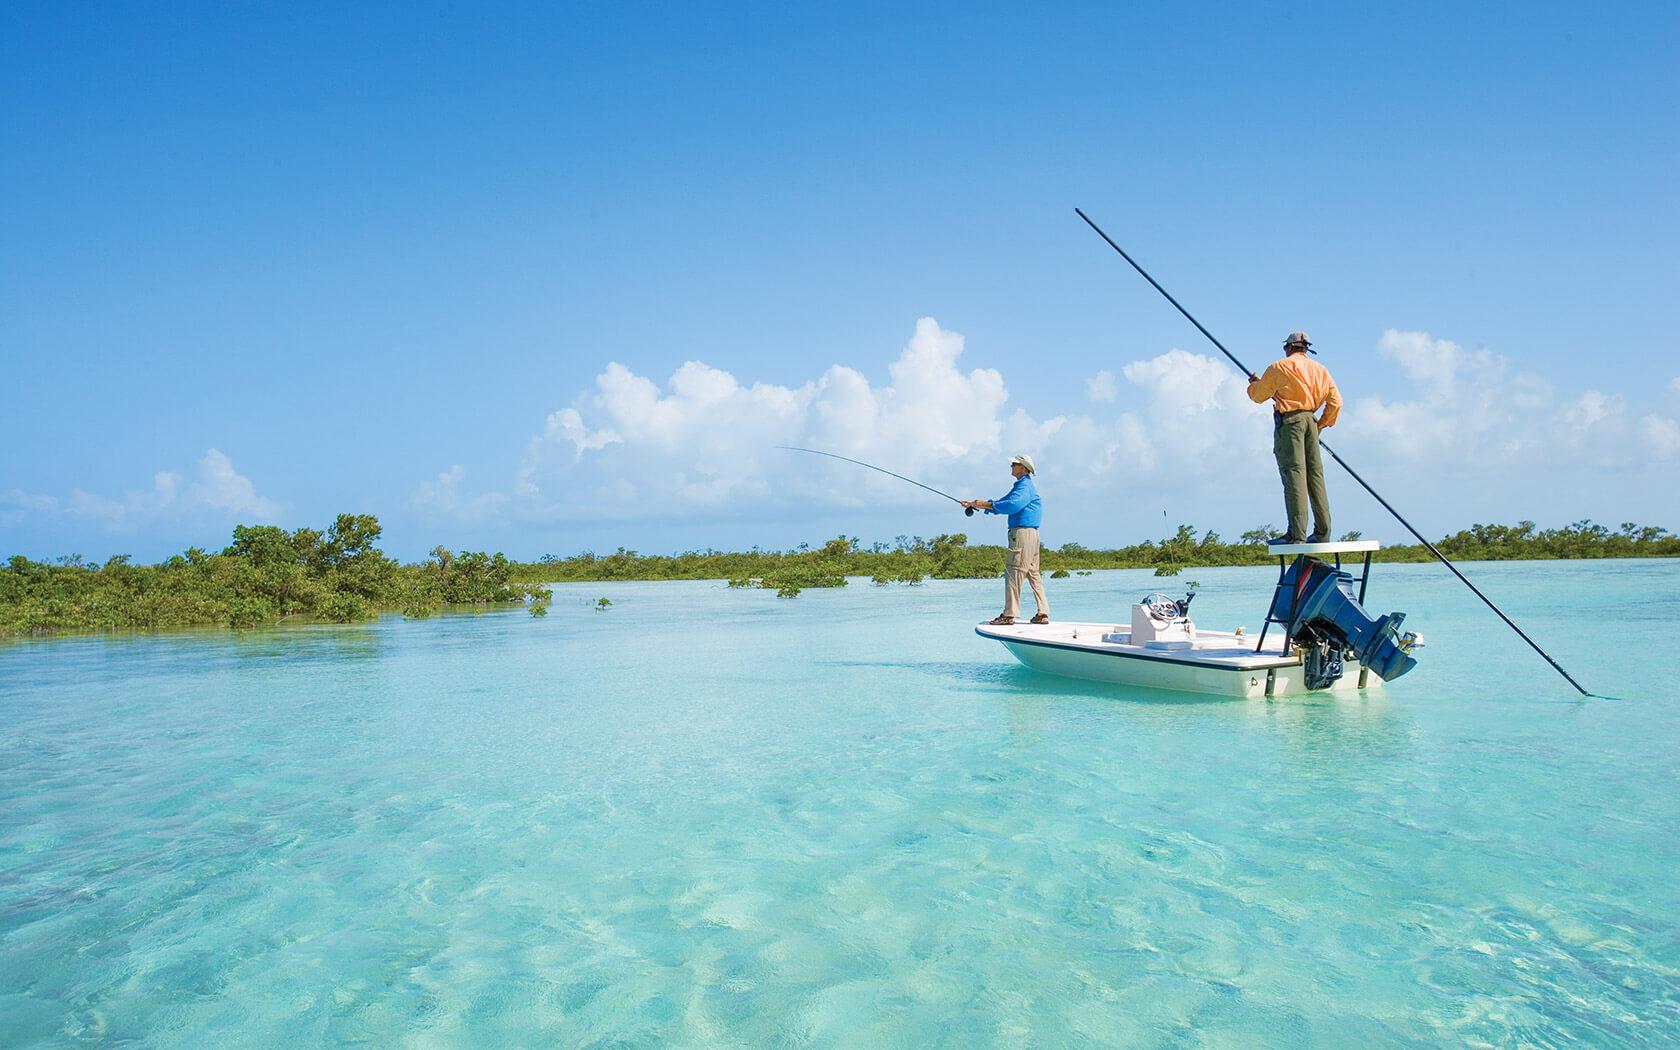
969 511
1362 482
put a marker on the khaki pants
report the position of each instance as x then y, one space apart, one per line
1023 565
1295 444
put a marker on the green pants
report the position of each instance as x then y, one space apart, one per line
1295 443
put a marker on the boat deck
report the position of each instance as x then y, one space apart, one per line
1223 649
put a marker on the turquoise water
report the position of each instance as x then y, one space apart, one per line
709 817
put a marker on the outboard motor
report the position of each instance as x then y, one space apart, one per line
1317 603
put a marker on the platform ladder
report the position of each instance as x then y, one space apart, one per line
1309 550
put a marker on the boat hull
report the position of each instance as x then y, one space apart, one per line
1221 664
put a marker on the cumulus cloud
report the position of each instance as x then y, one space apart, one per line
1662 436
705 440
442 492
1198 411
1471 408
216 487
442 496
1101 388
1592 409
222 488
133 504
16 505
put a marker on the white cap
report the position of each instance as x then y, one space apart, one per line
1025 461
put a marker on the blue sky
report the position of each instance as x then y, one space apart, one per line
449 264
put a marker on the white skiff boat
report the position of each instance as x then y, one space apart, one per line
1325 642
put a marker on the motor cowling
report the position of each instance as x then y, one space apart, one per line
1316 601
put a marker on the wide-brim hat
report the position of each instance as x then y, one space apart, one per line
1299 339
1025 461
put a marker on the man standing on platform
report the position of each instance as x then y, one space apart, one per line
1298 386
1025 511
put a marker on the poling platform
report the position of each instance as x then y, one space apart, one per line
1320 549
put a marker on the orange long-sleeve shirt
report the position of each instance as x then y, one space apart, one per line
1298 382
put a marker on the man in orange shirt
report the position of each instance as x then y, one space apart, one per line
1298 386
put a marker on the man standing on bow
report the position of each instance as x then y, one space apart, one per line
1025 511
1298 386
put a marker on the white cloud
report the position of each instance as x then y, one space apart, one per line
1177 431
1674 385
1437 365
1662 436
564 427
1458 401
114 513
1198 413
442 496
442 492
1591 409
222 488
16 505
217 487
705 440
1101 388
1470 409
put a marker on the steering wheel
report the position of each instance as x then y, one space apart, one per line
1161 606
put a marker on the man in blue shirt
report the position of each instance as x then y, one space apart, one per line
1025 511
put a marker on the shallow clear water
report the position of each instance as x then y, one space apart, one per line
712 817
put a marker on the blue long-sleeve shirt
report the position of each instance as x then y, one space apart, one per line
1023 506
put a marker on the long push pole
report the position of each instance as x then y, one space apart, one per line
1354 474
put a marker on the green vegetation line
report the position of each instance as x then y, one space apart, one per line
265 576
910 560
268 575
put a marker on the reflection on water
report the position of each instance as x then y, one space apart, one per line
1336 732
330 641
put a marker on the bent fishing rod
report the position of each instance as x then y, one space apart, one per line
817 452
1351 472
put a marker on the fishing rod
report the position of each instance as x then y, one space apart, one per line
969 511
1354 474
